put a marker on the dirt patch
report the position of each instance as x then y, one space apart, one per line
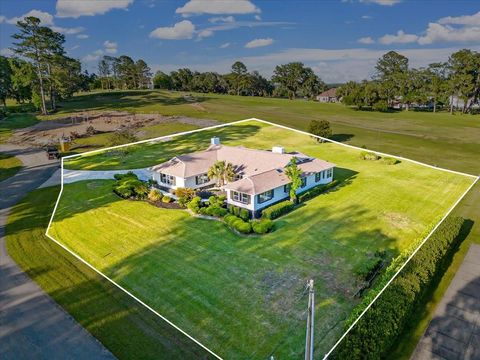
198 106
398 220
50 132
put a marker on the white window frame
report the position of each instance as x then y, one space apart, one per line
201 179
266 196
240 197
167 179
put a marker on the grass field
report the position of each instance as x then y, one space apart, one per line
9 166
127 329
15 121
215 284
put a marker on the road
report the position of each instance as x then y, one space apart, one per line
454 332
32 325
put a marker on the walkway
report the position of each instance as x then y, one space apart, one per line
32 325
454 332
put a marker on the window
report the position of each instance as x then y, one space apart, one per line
286 188
324 173
263 197
330 173
201 179
318 176
240 197
304 182
167 179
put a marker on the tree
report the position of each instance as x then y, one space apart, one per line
390 70
5 80
23 79
239 77
464 77
162 81
294 174
320 128
143 74
294 78
33 45
181 79
104 72
435 86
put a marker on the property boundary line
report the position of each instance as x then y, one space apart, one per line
280 126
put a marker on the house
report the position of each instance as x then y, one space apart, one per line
328 96
259 180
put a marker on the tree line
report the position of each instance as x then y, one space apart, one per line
289 80
448 85
41 72
123 73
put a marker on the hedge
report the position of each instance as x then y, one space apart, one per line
274 211
154 195
194 204
262 226
317 190
389 160
366 155
238 224
378 330
167 199
128 185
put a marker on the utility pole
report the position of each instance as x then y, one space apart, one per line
310 318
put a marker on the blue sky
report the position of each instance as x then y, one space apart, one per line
340 40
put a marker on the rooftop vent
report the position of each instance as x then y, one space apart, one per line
278 149
215 141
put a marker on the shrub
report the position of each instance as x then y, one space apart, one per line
389 160
91 131
380 105
216 211
244 214
401 298
277 210
185 195
217 201
194 204
129 174
262 226
123 191
238 224
167 199
231 208
154 195
320 128
140 189
367 155
317 190
128 185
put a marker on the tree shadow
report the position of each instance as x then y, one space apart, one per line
342 137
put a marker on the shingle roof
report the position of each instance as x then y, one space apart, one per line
329 93
262 170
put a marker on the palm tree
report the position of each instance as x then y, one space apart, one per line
294 173
222 171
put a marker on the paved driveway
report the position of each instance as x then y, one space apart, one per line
454 332
32 325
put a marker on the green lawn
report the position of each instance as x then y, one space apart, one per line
9 166
126 328
241 296
419 135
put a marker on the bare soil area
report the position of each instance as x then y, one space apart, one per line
51 131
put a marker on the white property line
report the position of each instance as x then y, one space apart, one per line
283 127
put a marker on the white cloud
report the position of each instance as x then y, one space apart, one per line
110 47
2 19
366 17
400 38
259 43
75 9
381 2
68 31
224 19
472 20
460 29
95 56
258 17
181 30
46 19
205 33
82 36
225 45
74 47
6 52
366 40
218 7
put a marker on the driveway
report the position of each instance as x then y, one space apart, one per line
454 332
32 325
70 176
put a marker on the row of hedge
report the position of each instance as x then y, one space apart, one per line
368 155
277 210
214 208
261 226
317 190
377 331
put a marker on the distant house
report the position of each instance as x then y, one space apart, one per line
329 96
259 180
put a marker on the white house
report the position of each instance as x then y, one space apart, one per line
260 178
328 96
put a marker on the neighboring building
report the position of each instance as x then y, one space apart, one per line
260 178
328 96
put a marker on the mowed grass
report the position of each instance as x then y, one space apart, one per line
9 166
15 121
126 328
422 136
242 296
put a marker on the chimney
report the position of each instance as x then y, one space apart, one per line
278 149
215 141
